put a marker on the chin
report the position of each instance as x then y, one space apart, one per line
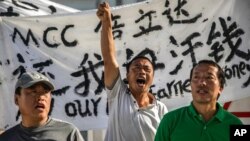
203 101
42 115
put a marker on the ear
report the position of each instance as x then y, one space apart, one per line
219 94
221 89
127 76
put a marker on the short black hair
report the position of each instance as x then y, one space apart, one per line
18 91
139 57
220 73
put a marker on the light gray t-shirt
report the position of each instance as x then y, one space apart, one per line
128 122
53 130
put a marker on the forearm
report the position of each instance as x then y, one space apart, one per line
107 42
111 70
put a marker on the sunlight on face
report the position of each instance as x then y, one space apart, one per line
205 84
34 102
140 75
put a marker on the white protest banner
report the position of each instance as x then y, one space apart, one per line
24 8
174 34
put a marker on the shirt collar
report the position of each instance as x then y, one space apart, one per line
219 114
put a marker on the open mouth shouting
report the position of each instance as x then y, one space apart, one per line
141 82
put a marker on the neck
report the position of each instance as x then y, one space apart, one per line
207 111
144 99
34 122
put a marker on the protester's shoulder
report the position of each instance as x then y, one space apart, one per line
117 82
175 116
160 104
231 118
178 112
62 124
9 132
162 108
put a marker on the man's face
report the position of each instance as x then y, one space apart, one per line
34 102
205 84
140 76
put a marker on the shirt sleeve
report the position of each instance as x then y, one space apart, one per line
116 92
162 109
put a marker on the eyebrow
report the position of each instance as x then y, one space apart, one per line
140 65
209 73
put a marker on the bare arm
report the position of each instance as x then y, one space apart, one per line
111 67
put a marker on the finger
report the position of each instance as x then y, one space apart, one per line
105 4
99 13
